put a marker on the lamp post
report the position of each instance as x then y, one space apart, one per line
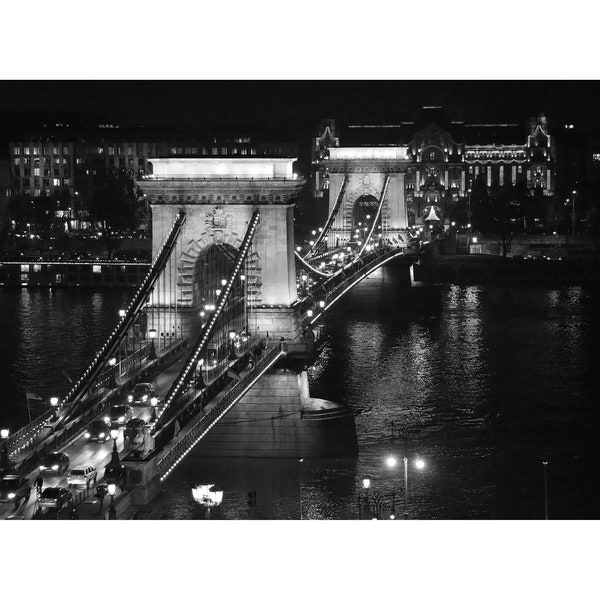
232 335
300 461
112 511
153 404
54 404
469 211
419 464
545 464
573 214
366 484
152 336
4 433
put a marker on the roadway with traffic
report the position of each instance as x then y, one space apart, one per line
83 453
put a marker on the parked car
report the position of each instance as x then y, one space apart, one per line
56 463
141 394
14 488
98 431
55 497
118 415
85 476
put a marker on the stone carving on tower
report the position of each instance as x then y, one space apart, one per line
218 221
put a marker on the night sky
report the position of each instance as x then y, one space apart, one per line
298 105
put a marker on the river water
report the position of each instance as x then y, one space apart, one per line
499 380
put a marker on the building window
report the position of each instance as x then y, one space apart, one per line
55 150
214 151
96 268
56 182
37 268
16 150
46 182
36 172
36 150
432 156
596 157
111 151
36 182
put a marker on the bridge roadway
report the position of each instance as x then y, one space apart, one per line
82 453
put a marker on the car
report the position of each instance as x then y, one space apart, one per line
82 476
118 415
14 488
56 463
98 431
141 394
55 497
133 427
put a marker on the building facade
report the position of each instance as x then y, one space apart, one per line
442 160
64 165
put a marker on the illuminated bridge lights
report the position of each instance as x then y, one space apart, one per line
207 331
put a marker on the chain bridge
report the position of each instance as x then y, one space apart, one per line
225 324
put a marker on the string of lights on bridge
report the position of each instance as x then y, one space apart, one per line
207 331
51 414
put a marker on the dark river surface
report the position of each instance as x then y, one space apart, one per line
483 391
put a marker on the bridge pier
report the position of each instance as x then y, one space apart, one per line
278 418
278 321
143 480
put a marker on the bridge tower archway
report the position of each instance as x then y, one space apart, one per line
219 197
363 213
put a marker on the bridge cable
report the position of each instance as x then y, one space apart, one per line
330 219
83 385
184 376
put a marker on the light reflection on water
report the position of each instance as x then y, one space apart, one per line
502 377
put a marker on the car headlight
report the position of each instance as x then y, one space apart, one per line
121 419
107 419
87 435
102 435
55 467
145 397
11 495
42 467
130 397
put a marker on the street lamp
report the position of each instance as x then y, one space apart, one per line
122 312
153 404
4 433
112 511
232 355
573 214
114 434
469 213
545 463
152 336
419 464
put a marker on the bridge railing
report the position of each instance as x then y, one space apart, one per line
206 422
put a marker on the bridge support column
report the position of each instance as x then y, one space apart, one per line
142 478
277 321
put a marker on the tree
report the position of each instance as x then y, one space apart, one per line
113 205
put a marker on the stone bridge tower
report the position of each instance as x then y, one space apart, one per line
219 197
